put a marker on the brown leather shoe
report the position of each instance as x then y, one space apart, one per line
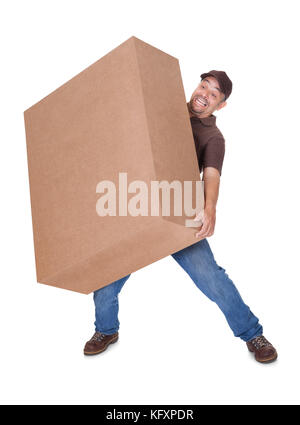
263 349
99 343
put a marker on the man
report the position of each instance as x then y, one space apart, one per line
197 260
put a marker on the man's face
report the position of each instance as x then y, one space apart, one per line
207 98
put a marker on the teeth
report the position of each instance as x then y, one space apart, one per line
201 102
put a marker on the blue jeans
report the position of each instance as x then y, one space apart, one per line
199 263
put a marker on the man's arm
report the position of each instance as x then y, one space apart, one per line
211 177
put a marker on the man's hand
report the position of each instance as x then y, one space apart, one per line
208 217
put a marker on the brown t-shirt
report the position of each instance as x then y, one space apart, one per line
209 142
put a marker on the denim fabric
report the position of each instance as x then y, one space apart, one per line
199 263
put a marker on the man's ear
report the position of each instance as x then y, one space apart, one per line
222 104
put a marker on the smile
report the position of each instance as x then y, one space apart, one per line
200 102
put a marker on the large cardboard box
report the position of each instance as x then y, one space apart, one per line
124 117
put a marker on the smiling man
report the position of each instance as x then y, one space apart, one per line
197 260
210 96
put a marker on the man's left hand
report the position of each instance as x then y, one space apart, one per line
207 228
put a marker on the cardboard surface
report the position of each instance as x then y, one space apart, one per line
125 113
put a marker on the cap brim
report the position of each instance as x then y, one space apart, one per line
207 74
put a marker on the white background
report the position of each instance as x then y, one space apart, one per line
175 345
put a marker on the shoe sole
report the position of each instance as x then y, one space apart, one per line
267 360
93 353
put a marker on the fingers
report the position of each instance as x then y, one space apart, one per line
207 226
206 230
203 232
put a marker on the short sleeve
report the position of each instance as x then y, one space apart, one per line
214 153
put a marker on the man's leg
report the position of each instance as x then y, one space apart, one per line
107 307
107 322
199 263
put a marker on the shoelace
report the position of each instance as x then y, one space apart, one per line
260 342
97 336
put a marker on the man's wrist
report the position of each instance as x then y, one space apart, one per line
210 205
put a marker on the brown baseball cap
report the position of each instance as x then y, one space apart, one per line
224 81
